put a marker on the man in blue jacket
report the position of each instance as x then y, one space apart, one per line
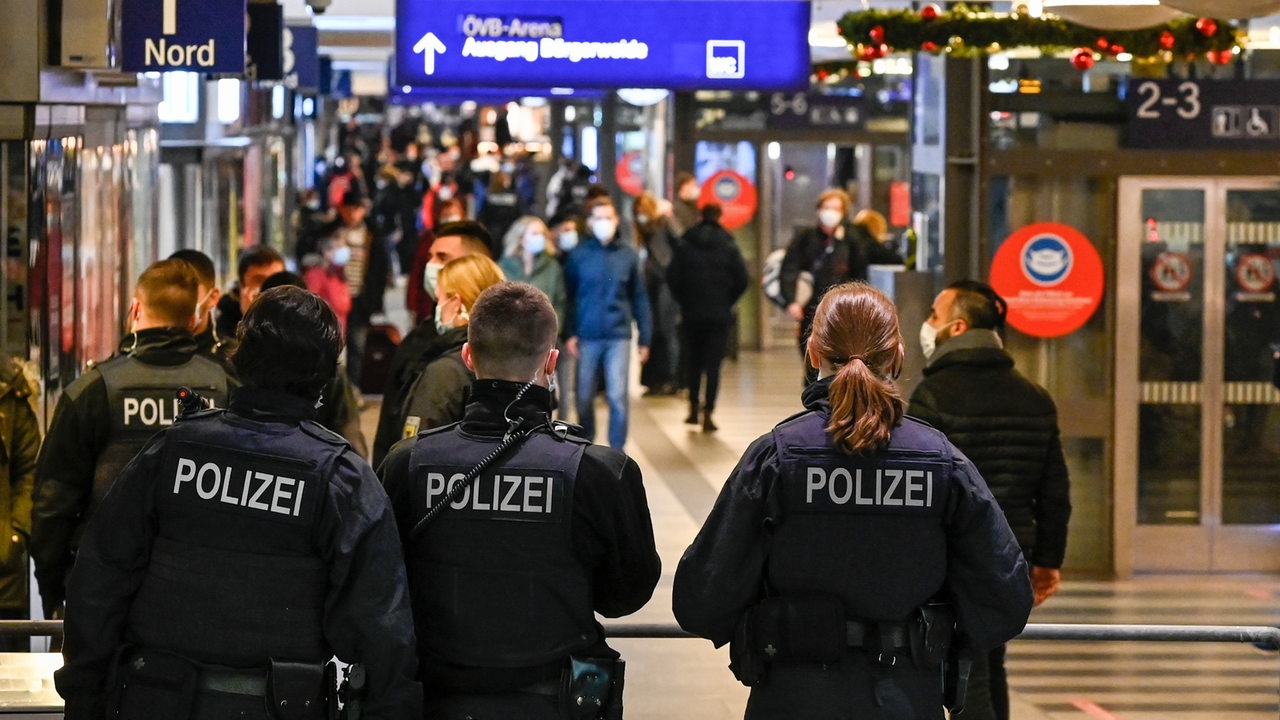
606 294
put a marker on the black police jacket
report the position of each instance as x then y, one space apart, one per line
101 420
237 536
884 532
505 581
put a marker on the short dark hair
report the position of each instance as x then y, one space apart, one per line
289 340
284 278
257 256
201 263
169 289
512 328
711 212
475 237
978 304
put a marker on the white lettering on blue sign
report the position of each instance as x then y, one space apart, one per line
888 487
162 54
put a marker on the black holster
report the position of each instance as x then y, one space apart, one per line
801 629
592 688
931 632
297 691
956 669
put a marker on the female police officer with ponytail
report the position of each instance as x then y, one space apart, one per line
849 541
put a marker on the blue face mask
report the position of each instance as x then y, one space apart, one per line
534 244
568 240
442 327
341 256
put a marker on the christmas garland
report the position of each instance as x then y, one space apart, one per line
967 31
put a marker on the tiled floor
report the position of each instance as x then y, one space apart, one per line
680 678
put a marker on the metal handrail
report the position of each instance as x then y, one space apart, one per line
1263 637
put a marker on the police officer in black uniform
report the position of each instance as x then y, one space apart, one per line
105 416
240 550
507 574
826 554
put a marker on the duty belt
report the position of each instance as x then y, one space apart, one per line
867 634
232 681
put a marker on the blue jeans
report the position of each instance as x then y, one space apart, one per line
613 358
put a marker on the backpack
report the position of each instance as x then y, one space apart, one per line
771 281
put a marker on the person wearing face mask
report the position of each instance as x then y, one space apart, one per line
1008 426
103 418
606 295
530 256
501 207
501 607
438 394
833 251
657 250
254 265
324 276
424 342
205 332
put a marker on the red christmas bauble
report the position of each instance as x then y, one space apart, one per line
1082 58
1166 40
822 75
1208 27
930 11
867 52
877 34
882 50
1116 49
1219 57
929 46
1103 44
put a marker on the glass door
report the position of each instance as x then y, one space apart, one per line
1198 419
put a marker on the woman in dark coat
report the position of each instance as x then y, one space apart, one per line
706 276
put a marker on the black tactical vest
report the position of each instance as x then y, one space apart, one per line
870 529
234 576
143 399
494 578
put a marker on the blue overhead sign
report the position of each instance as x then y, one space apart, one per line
674 44
193 35
302 58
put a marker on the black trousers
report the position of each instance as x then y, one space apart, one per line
705 345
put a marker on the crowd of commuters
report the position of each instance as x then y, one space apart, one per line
212 550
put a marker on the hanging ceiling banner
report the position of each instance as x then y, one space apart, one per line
193 35
673 44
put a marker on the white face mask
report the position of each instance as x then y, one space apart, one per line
642 219
830 218
929 338
450 219
445 193
604 230
568 240
535 243
430 277
341 255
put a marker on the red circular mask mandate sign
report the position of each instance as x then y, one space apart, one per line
736 195
629 173
1051 277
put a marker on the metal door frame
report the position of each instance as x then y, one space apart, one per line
1209 545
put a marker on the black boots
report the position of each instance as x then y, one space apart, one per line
693 415
707 425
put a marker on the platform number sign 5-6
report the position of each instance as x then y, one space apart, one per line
1185 101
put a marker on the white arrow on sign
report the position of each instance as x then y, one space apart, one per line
429 45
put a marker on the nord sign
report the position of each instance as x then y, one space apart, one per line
673 44
193 35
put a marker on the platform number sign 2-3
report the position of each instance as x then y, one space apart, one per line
1185 102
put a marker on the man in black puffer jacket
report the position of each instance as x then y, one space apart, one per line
1008 426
